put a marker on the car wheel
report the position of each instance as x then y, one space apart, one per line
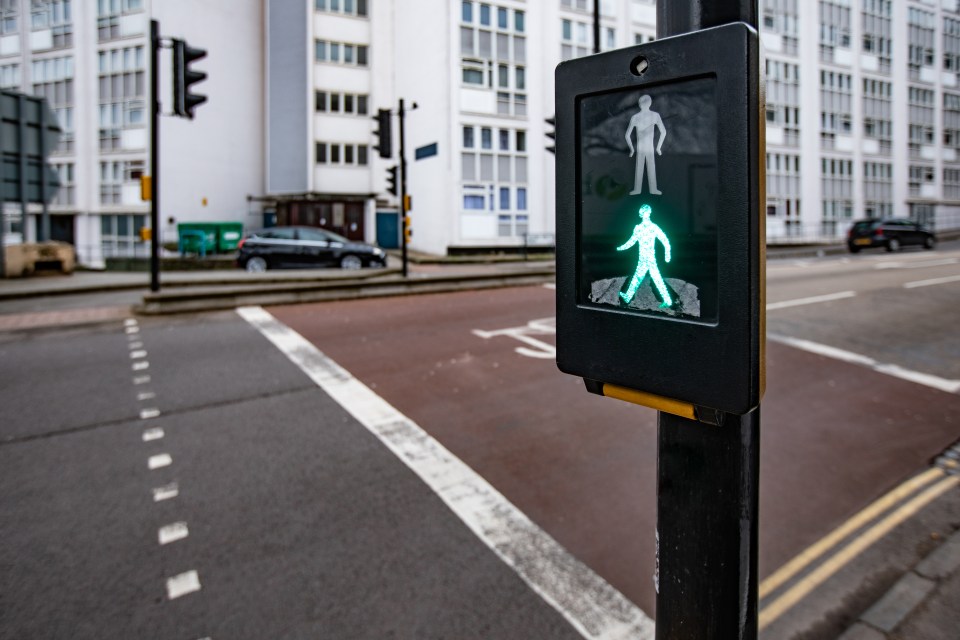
256 264
929 242
853 249
350 262
893 244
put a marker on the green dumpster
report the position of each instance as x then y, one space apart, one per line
228 236
197 237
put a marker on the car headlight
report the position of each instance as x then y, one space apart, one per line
378 252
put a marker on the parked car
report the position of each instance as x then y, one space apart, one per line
891 234
302 247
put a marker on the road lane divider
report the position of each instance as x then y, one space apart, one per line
931 282
829 297
182 584
842 558
926 379
590 604
159 461
152 434
166 492
172 532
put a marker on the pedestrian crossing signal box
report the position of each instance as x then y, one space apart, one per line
660 237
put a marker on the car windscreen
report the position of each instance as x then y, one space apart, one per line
865 226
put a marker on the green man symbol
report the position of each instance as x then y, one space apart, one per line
646 235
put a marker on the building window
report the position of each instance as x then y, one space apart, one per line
122 79
9 17
489 50
494 177
120 235
339 153
108 16
834 29
351 55
348 103
65 194
53 80
55 15
10 76
921 31
836 103
878 189
113 175
344 7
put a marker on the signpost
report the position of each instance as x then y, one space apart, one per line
29 132
660 281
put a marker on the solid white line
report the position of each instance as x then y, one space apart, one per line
141 379
166 492
181 585
931 282
172 532
146 395
152 434
811 300
590 604
159 461
935 382
136 355
146 414
140 366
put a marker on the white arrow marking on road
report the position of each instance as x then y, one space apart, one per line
542 326
590 604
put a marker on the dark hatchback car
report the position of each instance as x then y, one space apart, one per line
891 234
304 247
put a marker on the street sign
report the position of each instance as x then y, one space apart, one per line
30 133
660 236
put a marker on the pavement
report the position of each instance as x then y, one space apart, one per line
920 605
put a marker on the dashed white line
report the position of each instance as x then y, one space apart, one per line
138 380
138 354
590 604
931 282
172 532
146 395
550 285
140 366
132 331
182 584
166 492
935 382
153 434
923 264
135 345
811 300
130 322
159 461
147 414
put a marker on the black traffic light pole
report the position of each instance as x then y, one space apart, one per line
154 156
707 476
403 190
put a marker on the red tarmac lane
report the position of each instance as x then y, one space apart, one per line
834 436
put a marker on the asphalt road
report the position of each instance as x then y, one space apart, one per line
301 523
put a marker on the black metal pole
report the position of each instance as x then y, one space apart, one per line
707 475
403 191
45 208
596 26
154 156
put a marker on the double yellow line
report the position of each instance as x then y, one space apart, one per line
925 488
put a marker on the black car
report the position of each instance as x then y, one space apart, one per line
302 247
891 234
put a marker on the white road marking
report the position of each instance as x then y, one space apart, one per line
159 461
135 345
166 492
550 286
542 326
811 300
931 282
152 434
181 585
589 603
146 395
141 379
920 264
132 330
130 322
138 354
172 532
935 382
141 366
146 414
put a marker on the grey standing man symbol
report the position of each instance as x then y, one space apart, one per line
644 123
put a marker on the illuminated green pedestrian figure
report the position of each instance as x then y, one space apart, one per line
646 235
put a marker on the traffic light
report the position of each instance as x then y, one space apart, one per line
552 134
660 228
407 230
384 140
184 102
392 180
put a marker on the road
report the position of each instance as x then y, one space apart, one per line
277 509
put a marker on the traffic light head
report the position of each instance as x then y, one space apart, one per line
184 100
392 180
383 134
552 134
659 225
